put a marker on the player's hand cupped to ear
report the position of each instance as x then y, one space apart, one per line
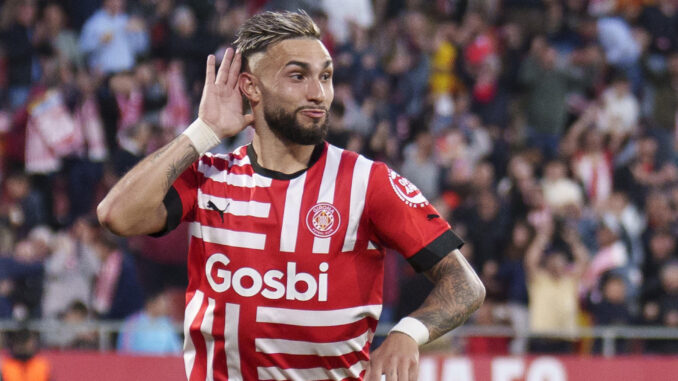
221 102
397 358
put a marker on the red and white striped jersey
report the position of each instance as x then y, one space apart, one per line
285 271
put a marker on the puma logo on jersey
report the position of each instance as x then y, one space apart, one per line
273 284
212 206
432 216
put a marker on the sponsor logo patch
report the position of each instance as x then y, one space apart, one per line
323 220
406 191
272 284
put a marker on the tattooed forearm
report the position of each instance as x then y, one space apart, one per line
149 182
176 168
164 149
457 294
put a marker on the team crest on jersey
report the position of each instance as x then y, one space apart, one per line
323 220
406 191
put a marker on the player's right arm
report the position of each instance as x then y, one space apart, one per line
134 206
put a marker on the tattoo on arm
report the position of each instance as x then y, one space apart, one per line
162 150
456 295
177 167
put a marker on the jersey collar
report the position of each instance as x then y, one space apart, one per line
315 156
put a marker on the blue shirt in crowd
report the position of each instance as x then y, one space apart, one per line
143 334
117 52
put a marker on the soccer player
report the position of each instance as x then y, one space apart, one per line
288 233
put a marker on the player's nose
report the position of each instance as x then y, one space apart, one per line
315 91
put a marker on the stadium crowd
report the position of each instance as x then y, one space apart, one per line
543 130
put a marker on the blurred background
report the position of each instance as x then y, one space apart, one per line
545 131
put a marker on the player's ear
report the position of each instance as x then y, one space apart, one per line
248 87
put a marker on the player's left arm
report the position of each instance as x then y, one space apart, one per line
402 219
457 293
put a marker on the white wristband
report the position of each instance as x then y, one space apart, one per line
412 328
202 136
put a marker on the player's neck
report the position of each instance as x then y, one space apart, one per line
277 155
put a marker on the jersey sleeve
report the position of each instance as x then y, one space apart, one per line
403 219
180 200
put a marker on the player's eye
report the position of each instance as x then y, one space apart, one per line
297 76
326 76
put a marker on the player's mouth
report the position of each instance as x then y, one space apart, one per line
315 113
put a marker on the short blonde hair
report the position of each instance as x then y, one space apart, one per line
267 28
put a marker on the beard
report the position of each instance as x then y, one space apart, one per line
286 126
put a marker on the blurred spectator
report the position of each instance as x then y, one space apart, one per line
419 165
25 362
664 309
619 113
189 43
128 98
380 144
6 286
559 190
489 220
518 186
133 143
612 309
22 208
646 171
549 278
591 161
112 39
483 179
71 331
459 150
620 214
84 167
661 21
50 127
663 82
489 276
24 271
16 272
161 262
356 118
150 331
21 49
611 255
342 13
479 345
661 250
52 28
157 15
117 291
622 50
337 133
176 115
443 80
546 84
71 268
412 286
322 20
50 134
514 281
154 89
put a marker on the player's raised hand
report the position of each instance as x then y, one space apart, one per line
397 359
221 102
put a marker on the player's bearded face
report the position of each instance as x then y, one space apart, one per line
287 126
